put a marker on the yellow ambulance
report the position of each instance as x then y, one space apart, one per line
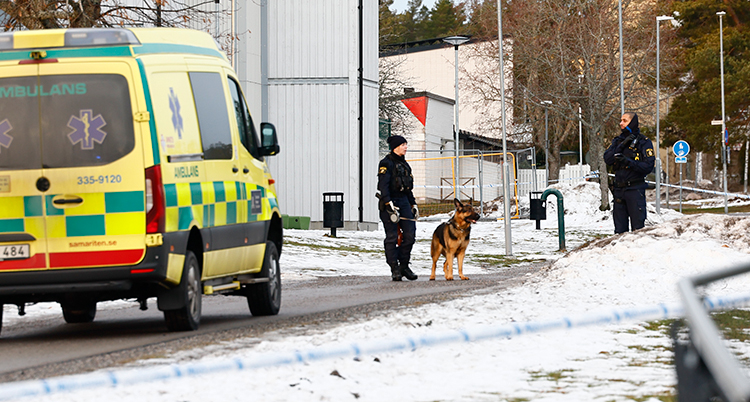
130 168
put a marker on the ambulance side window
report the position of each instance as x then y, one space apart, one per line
248 136
213 118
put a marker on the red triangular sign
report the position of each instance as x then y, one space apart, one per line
418 107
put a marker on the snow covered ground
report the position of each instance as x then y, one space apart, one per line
615 362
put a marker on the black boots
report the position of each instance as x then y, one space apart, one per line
395 272
406 272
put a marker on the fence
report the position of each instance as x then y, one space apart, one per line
480 176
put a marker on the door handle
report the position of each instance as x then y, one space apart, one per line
63 201
235 169
245 170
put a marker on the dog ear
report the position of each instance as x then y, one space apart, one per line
458 203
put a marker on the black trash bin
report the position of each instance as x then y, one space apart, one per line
538 207
333 211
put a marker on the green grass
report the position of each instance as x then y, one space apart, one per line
351 249
496 260
691 210
555 376
733 323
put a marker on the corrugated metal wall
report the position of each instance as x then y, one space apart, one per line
313 100
312 95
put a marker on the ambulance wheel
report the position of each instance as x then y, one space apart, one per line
265 298
78 311
187 317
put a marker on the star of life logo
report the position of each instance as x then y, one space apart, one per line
174 105
5 139
86 129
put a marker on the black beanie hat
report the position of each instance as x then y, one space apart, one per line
395 140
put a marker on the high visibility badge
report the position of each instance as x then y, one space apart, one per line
5 139
650 152
383 169
87 129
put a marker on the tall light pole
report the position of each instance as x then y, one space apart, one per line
456 41
546 141
506 171
658 106
622 79
580 128
723 115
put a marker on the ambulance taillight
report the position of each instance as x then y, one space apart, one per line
155 211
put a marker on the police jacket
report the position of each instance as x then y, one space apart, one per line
632 156
395 179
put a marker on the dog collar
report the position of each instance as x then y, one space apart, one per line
455 226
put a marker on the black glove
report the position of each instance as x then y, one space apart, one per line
415 211
621 160
625 143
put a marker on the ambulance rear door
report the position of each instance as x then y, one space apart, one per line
92 164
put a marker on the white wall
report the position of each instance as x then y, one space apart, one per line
434 71
313 99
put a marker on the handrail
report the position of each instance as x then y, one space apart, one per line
707 339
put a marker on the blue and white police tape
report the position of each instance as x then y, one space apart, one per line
111 378
697 190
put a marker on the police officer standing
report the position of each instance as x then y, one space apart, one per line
398 208
632 156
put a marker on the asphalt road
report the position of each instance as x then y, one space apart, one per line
46 346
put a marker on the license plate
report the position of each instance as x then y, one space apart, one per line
14 252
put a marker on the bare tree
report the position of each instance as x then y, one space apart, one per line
392 83
47 14
567 52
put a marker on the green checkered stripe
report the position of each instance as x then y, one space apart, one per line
20 214
215 203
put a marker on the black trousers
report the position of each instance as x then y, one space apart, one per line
629 207
393 252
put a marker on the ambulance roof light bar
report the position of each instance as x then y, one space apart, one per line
83 37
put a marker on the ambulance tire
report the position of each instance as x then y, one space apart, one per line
265 298
187 317
78 311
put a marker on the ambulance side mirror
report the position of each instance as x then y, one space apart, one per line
269 144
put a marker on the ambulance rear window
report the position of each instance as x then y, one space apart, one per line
64 121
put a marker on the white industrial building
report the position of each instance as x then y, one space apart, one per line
316 65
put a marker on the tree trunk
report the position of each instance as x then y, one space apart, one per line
596 149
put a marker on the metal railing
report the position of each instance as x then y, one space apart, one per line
705 367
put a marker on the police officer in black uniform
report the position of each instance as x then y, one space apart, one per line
632 156
398 208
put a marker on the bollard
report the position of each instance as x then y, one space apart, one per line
560 214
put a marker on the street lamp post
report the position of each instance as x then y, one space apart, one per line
580 128
723 115
506 171
658 106
546 141
456 41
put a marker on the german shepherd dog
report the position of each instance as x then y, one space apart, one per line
451 239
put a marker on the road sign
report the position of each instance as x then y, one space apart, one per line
680 159
716 122
681 148
726 137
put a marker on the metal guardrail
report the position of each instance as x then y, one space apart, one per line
724 376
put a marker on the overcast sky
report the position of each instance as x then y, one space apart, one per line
400 5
